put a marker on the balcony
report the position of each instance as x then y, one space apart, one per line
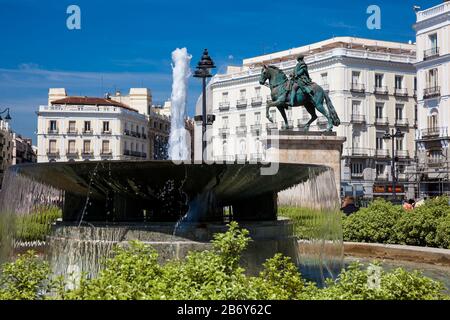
72 132
383 90
383 121
136 154
87 153
53 153
225 158
106 152
256 101
326 87
431 53
401 122
360 152
272 126
134 134
290 124
436 162
258 157
52 131
256 128
241 131
433 133
301 123
224 106
72 153
431 92
381 177
381 153
322 121
357 87
241 157
401 92
87 132
402 153
241 103
224 131
358 118
106 132
358 175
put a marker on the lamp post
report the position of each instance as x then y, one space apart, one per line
8 116
392 136
203 71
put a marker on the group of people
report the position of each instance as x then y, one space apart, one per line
348 205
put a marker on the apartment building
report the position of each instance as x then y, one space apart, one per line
6 147
372 86
72 128
432 170
23 151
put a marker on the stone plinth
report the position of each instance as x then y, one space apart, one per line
318 148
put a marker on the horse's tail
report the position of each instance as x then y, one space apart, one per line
331 111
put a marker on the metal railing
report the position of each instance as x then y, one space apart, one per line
360 152
256 101
241 130
401 122
383 121
434 132
224 106
52 131
290 123
87 132
72 153
87 153
381 90
357 175
381 153
402 153
256 127
106 132
224 131
432 92
401 92
241 157
321 121
256 157
358 118
53 153
357 87
271 126
72 132
430 53
241 103
106 152
302 122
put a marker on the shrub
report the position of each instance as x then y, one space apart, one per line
36 225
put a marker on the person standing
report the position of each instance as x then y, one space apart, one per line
348 205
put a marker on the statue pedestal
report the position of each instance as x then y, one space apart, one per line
318 148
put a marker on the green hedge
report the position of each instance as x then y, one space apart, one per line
382 222
134 273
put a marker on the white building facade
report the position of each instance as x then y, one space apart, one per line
84 128
433 84
371 84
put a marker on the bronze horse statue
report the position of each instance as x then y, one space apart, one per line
280 89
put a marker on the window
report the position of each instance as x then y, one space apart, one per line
356 107
105 146
257 117
378 80
289 113
398 112
356 140
432 121
242 147
224 122
355 77
125 145
53 126
71 149
273 115
105 126
225 96
52 146
432 78
224 147
398 82
243 94
87 146
87 126
380 169
357 168
258 92
324 77
379 110
72 126
433 41
399 143
242 120
379 142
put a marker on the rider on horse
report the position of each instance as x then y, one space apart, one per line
300 79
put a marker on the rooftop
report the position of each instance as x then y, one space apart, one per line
434 11
91 101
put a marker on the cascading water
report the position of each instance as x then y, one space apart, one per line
178 142
321 245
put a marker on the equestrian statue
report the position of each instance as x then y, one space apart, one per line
297 91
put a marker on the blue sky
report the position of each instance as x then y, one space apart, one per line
129 43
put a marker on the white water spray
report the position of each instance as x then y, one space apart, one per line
178 144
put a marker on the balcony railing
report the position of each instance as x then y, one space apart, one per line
241 130
401 92
256 128
362 152
382 177
436 132
224 106
106 132
383 121
431 53
401 122
272 126
224 131
322 121
106 152
381 153
401 176
290 123
53 153
302 122
241 103
381 90
431 92
357 175
402 153
87 153
72 153
357 87
256 101
241 157
72 132
226 158
87 132
52 131
358 118
257 157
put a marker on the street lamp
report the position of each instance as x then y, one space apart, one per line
203 71
392 136
8 116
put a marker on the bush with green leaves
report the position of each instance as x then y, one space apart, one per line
134 273
36 225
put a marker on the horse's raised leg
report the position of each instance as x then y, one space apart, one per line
312 111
